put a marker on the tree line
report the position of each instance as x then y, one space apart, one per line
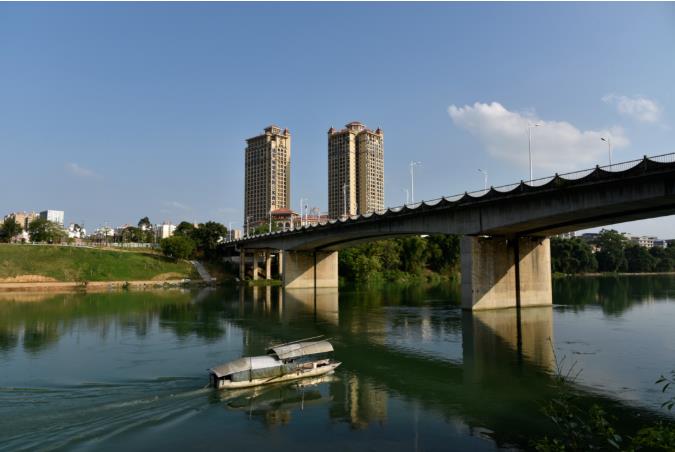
400 259
614 253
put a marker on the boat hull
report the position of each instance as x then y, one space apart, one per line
301 373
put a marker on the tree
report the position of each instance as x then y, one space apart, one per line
443 252
639 259
132 234
144 223
184 229
41 230
178 247
207 237
413 255
9 229
611 256
572 256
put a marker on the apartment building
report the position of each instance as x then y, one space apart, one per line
355 170
267 175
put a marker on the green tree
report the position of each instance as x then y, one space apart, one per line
572 256
611 246
207 237
144 223
413 254
184 229
443 253
41 230
178 247
639 259
9 229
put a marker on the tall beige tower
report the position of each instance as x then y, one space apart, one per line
268 175
355 170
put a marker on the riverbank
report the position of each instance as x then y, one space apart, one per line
607 275
96 286
37 267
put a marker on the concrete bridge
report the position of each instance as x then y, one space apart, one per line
505 251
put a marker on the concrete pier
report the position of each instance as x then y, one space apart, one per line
505 273
310 269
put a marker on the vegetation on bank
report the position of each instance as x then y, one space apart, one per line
415 258
409 259
580 427
614 254
73 264
201 242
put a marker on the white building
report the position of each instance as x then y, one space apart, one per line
55 216
75 231
164 230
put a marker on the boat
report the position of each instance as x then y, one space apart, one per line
283 362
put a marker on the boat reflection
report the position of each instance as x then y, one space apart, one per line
275 404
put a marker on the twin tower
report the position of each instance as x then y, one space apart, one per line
355 172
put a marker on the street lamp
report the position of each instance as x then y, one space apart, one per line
609 148
270 220
413 164
407 195
248 228
485 176
529 144
344 198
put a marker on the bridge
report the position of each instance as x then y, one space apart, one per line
505 251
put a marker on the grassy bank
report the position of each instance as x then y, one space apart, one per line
44 263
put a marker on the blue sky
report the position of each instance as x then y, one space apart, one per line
116 111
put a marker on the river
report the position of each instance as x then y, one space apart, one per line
127 370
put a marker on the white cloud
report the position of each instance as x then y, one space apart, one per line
175 205
81 171
639 108
557 146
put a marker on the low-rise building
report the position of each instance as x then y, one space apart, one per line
22 218
164 230
55 216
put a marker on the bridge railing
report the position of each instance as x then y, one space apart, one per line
572 175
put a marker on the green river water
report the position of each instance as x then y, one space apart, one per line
127 370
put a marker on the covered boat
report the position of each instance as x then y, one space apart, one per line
283 362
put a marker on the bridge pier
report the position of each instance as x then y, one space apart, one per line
505 273
310 269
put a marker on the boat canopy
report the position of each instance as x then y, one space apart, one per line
245 365
289 351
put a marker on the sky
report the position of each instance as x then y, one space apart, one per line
115 111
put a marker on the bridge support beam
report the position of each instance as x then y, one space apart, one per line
310 269
268 264
505 273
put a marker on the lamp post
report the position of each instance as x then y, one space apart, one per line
248 228
413 164
609 149
529 144
407 195
344 198
485 178
270 220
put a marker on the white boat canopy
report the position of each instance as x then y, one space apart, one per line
245 364
289 351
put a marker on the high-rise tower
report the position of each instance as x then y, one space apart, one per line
268 175
355 170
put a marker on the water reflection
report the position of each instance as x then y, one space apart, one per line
401 348
615 294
